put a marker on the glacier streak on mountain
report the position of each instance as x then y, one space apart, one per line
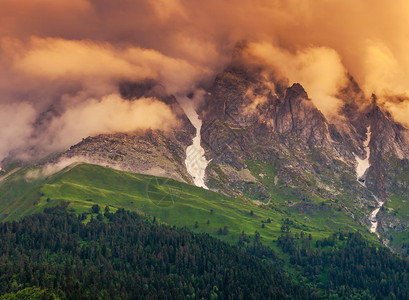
363 164
362 167
374 213
196 162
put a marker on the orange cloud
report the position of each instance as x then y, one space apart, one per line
17 18
318 69
52 48
54 58
110 114
16 122
97 63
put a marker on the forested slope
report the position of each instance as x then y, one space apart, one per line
126 256
123 255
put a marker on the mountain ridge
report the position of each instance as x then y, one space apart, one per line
265 139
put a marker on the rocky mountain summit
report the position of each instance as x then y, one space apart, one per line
264 141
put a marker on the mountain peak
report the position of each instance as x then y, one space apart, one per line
296 91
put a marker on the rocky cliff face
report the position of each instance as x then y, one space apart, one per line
296 115
263 138
389 143
151 152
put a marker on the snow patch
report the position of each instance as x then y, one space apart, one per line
362 167
374 213
196 161
363 164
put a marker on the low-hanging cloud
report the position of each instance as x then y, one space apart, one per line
70 55
80 119
399 110
79 79
318 69
15 126
111 114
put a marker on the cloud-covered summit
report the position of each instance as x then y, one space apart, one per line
70 55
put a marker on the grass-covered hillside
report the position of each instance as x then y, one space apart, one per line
28 191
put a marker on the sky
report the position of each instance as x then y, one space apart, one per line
61 60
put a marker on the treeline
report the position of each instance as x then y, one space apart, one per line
346 266
123 255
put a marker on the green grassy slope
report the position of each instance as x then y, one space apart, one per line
398 215
172 202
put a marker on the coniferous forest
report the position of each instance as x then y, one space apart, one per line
123 255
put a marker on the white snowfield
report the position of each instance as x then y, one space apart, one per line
363 164
374 213
196 162
362 167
